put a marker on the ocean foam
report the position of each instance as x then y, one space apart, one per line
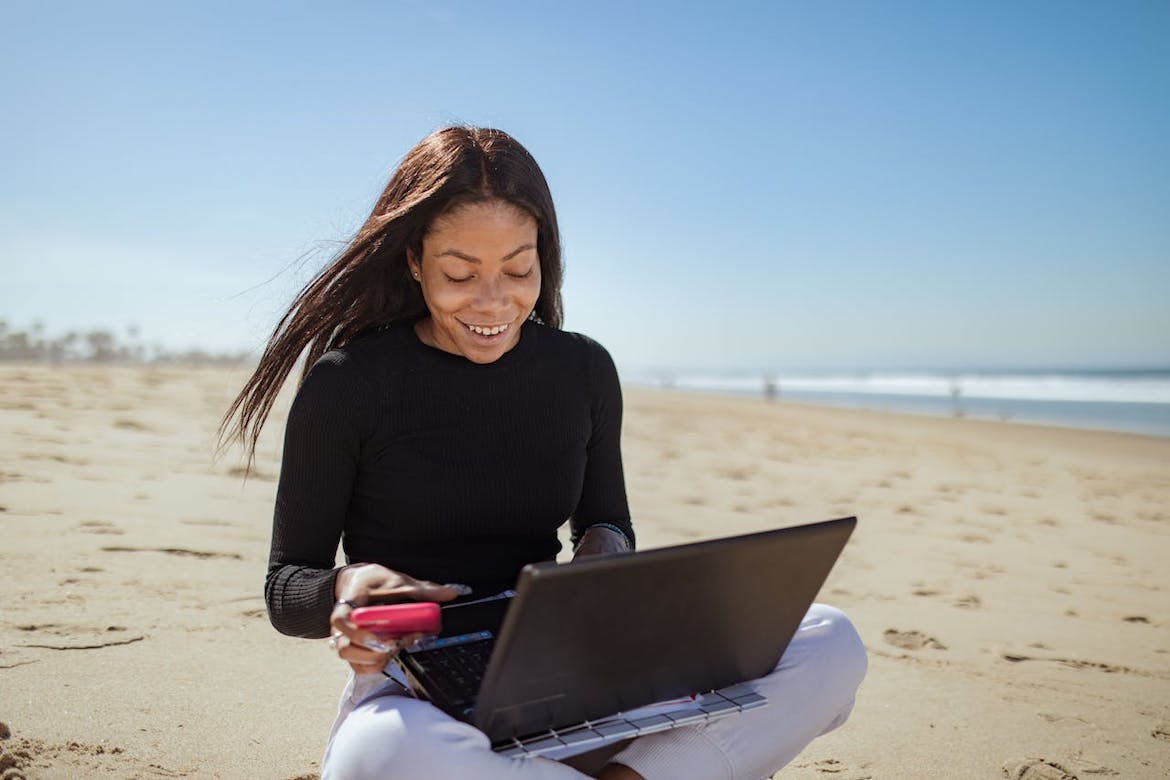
1145 388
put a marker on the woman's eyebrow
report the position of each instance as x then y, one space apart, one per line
476 260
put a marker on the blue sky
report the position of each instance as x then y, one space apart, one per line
842 184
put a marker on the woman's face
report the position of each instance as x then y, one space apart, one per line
480 278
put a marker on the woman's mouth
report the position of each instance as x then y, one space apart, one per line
488 332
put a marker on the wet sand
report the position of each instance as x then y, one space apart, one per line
1009 581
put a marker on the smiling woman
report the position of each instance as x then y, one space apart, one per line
424 207
479 271
444 429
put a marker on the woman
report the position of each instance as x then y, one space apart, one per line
444 428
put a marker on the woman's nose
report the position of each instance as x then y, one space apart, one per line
491 292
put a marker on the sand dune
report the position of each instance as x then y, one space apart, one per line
1009 581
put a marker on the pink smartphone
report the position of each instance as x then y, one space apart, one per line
394 620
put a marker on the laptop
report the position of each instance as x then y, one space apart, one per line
601 649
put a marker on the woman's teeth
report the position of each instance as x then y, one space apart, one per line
487 331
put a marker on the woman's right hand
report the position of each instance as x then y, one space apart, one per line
370 583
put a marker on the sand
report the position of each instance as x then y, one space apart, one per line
1010 582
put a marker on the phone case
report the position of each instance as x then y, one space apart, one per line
394 620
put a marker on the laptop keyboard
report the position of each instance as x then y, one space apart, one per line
456 669
562 743
456 665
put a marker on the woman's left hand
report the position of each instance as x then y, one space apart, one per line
370 583
600 540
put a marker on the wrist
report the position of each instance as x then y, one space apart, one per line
343 581
610 532
601 539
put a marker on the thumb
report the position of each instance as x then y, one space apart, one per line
433 591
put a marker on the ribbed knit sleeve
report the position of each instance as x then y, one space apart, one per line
603 493
326 427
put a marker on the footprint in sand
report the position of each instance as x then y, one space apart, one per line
924 591
241 472
85 760
10 764
214 523
129 424
1036 769
911 640
179 551
1161 732
829 766
100 527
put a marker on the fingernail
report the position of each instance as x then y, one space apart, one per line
462 590
377 647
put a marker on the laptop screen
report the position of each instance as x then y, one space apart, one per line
596 636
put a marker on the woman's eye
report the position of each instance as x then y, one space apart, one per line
523 275
457 280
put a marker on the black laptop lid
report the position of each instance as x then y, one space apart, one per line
587 639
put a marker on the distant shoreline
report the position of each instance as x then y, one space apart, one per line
35 345
1134 417
1141 419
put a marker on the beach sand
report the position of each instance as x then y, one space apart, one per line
1010 582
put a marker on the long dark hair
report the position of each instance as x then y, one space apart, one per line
368 284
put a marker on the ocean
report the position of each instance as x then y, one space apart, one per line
1133 401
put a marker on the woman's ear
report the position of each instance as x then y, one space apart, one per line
412 262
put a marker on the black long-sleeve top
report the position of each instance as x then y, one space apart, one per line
441 468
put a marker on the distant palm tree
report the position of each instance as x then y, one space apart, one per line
101 345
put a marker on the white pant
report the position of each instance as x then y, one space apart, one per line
380 733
